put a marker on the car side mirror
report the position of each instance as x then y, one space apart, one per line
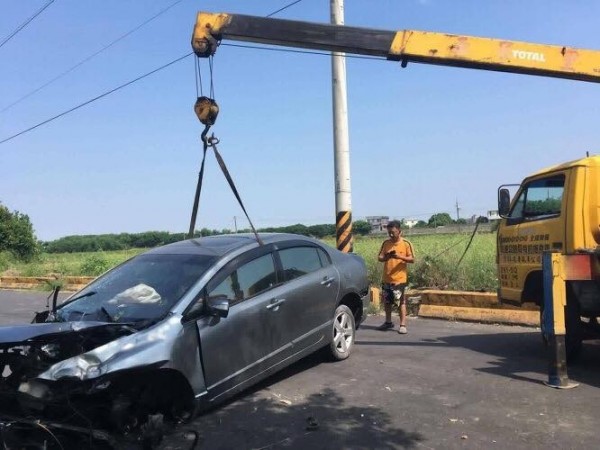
218 305
503 202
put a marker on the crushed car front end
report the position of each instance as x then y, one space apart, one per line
75 374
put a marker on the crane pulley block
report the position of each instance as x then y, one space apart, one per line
207 30
207 110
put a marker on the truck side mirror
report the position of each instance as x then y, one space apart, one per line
503 202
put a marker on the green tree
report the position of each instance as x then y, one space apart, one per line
439 220
16 234
322 230
294 229
361 227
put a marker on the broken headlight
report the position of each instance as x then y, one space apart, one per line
84 367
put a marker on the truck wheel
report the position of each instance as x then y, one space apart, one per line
342 333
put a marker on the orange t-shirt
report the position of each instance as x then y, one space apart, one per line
394 270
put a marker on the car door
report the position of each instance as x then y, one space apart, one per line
311 289
240 346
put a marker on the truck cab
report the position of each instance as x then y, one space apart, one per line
556 209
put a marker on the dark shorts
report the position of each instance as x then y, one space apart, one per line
393 294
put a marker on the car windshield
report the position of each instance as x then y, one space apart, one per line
142 289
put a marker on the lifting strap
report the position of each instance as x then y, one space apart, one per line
207 110
212 143
199 185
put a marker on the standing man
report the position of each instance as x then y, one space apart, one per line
395 254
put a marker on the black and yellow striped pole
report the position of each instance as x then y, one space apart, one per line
343 201
343 231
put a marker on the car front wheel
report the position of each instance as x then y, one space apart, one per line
343 331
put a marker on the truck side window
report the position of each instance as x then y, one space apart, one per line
539 199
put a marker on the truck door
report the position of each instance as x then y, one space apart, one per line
536 223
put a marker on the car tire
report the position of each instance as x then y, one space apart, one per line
343 331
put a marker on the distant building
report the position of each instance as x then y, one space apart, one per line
410 222
378 223
493 214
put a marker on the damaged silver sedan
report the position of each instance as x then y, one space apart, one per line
177 329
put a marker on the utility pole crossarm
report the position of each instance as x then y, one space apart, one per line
405 45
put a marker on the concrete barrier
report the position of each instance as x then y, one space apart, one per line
485 315
44 283
460 305
451 305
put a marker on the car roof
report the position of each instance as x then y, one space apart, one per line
222 244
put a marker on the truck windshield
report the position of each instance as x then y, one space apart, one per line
540 198
144 288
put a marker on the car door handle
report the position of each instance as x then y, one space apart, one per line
327 281
275 303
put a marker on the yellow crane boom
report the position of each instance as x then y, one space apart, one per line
405 45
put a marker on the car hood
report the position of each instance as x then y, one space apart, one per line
34 332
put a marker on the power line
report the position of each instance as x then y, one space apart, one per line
86 59
150 73
24 24
95 98
305 52
64 113
285 7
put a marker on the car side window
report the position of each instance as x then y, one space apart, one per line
324 257
298 261
248 280
540 199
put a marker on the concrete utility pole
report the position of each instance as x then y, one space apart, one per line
343 194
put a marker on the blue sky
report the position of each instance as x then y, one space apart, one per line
421 138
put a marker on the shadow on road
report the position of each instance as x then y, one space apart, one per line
262 419
322 421
516 354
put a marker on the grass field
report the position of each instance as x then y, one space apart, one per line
86 264
436 263
436 259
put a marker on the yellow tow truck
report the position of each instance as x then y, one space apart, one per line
555 210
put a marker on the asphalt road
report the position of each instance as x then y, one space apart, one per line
444 385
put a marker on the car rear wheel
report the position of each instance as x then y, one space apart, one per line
343 330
